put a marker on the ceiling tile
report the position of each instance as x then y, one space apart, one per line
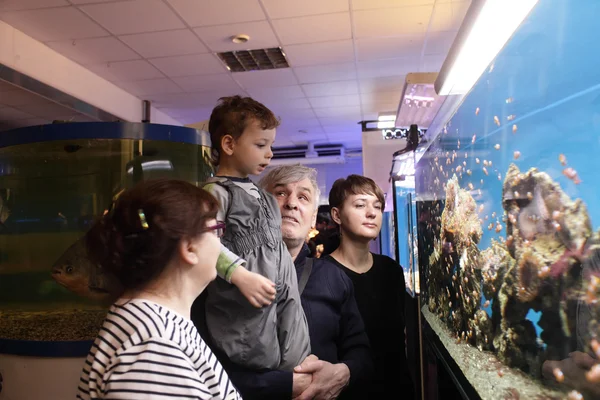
326 73
299 130
320 53
294 8
392 47
197 64
126 71
379 108
192 119
300 139
341 88
12 114
317 28
299 123
381 98
382 84
301 113
277 93
352 112
335 101
49 24
448 16
439 42
391 67
188 100
94 51
14 5
46 110
391 21
343 131
218 38
269 78
134 16
207 83
287 105
19 97
340 121
432 63
165 43
150 86
218 12
372 4
195 112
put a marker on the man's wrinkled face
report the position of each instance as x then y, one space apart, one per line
298 208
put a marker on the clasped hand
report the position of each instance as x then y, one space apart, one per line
319 380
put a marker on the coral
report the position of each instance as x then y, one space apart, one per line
480 331
529 269
496 260
516 346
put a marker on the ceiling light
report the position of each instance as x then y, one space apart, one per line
487 27
238 39
386 121
419 102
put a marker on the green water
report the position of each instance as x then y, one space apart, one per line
55 190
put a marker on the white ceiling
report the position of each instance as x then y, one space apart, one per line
20 108
348 57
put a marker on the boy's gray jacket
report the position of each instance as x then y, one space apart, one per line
273 337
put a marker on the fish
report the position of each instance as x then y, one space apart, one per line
562 159
497 120
517 154
477 111
572 175
514 128
74 271
497 146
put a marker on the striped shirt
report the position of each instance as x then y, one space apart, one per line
145 351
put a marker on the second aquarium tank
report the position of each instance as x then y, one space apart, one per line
55 181
508 203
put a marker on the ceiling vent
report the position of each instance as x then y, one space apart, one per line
310 154
254 60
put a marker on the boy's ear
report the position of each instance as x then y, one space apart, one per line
227 144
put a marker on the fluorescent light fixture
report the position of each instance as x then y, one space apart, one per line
487 27
386 121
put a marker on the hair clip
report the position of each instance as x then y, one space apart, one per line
143 219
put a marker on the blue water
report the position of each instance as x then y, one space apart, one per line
546 81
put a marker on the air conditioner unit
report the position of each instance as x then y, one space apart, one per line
310 154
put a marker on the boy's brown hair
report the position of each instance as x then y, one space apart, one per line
353 184
232 116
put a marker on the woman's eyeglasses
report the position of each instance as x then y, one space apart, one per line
218 229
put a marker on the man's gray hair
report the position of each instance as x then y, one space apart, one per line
286 174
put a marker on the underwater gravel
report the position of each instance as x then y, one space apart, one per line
61 325
481 369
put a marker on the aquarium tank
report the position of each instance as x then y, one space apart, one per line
55 181
508 204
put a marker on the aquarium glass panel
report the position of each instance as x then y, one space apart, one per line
50 194
508 209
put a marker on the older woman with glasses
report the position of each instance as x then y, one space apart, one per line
160 241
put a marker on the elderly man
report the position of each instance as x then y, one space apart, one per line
337 334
